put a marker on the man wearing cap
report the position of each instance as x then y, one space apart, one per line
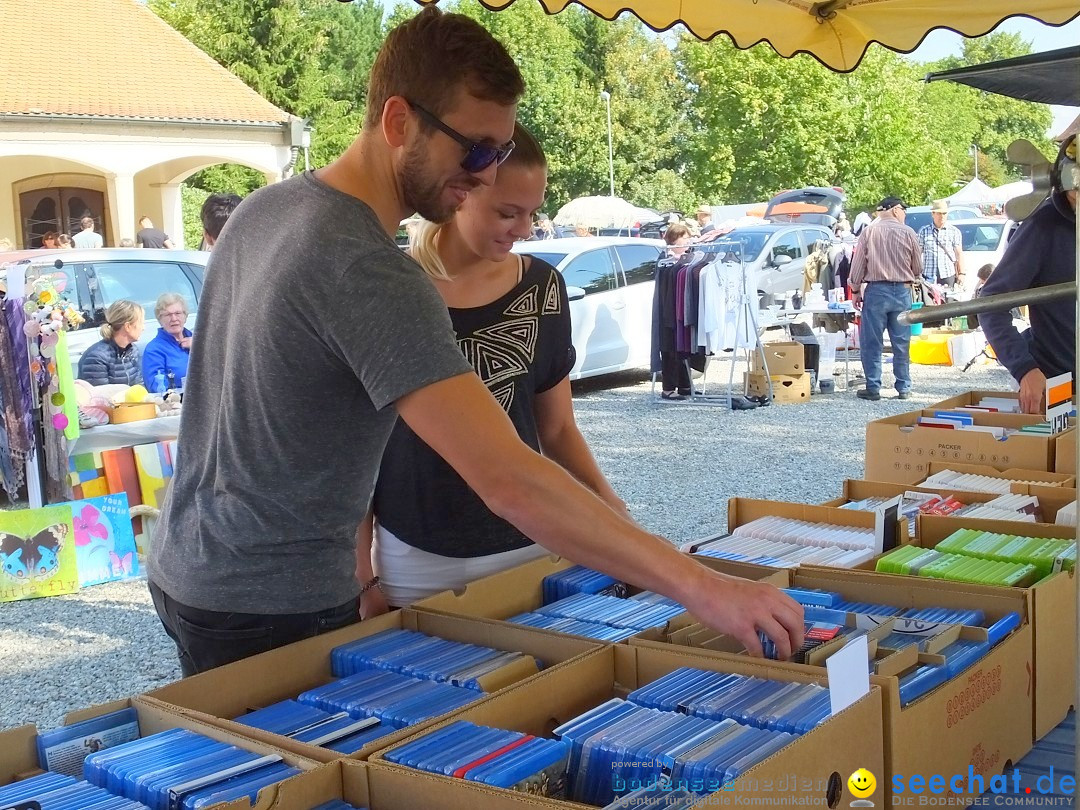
887 261
704 220
942 248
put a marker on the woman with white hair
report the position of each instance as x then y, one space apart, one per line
167 354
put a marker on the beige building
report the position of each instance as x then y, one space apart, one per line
105 110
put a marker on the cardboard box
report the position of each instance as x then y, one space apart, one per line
1022 477
18 747
961 722
355 783
1052 612
812 770
745 510
1051 499
519 589
1065 452
786 389
970 398
899 450
780 359
217 696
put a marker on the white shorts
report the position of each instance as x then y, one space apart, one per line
409 574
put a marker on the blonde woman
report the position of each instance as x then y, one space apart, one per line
512 320
114 360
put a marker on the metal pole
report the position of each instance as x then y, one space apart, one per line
606 96
1076 444
991 303
975 146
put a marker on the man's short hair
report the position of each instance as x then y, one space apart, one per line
427 58
86 222
216 210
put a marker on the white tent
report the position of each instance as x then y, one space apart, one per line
602 212
974 192
1003 194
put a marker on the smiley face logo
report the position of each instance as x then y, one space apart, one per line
862 783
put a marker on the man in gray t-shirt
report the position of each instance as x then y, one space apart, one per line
316 332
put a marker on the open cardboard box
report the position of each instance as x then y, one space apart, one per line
744 510
900 450
19 758
813 770
1065 452
1018 475
1051 610
1051 499
217 696
355 783
959 723
520 589
972 398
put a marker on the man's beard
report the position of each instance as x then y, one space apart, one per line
421 192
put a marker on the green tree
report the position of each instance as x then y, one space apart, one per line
1001 120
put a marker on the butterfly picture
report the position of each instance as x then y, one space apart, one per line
36 557
121 566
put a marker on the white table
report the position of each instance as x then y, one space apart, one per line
109 437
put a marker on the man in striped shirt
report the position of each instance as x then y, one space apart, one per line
887 261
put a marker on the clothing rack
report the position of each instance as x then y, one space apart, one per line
746 319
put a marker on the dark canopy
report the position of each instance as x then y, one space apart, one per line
1052 77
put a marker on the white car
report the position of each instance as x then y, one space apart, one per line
610 282
985 241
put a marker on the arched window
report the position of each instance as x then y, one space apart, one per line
60 209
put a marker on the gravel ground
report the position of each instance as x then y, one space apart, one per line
675 463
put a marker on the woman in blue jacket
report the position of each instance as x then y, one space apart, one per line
167 354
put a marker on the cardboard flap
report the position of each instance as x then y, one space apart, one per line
900 661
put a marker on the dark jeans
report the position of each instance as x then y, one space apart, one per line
673 373
206 639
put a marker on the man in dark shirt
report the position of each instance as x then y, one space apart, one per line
151 237
1042 252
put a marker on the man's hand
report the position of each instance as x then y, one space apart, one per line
856 299
1033 392
373 603
742 607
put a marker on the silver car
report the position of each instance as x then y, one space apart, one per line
93 279
775 256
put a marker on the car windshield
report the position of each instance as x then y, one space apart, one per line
753 242
981 236
551 258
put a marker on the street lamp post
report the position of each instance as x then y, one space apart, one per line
606 96
975 153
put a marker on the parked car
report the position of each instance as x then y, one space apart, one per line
610 282
985 241
93 279
775 255
919 215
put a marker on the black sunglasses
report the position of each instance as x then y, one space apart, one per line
478 156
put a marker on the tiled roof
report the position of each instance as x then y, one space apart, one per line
114 59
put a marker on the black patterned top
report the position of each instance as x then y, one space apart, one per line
520 345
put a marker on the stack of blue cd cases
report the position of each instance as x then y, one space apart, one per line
692 731
385 682
491 756
914 626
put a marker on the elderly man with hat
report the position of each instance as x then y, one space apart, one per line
704 220
942 248
887 261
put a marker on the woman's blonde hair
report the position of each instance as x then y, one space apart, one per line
119 313
166 300
424 240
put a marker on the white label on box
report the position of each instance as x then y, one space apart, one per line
1059 401
849 674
